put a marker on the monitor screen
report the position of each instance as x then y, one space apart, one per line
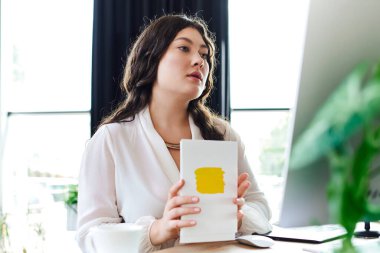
340 34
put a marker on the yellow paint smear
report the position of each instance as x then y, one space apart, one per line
209 180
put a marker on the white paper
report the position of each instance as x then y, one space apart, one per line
209 169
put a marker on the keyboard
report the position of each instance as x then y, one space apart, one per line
309 234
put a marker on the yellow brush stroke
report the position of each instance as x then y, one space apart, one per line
209 180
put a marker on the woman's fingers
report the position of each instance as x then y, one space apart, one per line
176 213
175 189
178 224
242 177
169 225
240 202
243 187
240 214
181 200
243 184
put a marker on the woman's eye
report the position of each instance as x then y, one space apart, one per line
184 49
204 56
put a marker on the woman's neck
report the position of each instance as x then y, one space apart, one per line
168 114
170 119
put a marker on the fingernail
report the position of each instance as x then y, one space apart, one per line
197 209
240 201
192 222
194 199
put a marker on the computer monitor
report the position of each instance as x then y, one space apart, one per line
340 34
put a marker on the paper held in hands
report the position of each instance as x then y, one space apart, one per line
209 169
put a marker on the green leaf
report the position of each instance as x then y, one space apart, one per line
342 115
372 212
353 107
72 197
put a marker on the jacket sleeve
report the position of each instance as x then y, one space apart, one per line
97 204
256 209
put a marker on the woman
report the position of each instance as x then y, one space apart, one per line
130 169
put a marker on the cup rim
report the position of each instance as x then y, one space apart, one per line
116 227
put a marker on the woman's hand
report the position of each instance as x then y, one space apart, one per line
243 186
169 225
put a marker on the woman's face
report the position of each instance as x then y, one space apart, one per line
183 69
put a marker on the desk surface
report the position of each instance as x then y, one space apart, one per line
233 246
370 245
279 246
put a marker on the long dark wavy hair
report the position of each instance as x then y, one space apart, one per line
141 72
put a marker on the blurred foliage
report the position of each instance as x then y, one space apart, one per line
71 199
272 156
346 131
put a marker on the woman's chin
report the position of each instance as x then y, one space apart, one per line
194 95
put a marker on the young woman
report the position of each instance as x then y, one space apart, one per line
130 169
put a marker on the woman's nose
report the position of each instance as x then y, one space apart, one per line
198 60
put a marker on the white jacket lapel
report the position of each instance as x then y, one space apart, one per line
158 146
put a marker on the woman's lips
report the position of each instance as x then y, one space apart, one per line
196 74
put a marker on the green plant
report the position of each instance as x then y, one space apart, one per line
71 200
350 114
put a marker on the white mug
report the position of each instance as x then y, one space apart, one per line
116 238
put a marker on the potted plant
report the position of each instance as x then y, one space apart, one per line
71 202
346 131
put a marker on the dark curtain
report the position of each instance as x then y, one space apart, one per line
117 24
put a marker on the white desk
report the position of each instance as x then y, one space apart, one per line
279 246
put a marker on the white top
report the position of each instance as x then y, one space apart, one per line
126 174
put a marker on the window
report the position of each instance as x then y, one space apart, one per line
266 42
45 116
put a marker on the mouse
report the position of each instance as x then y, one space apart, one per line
256 241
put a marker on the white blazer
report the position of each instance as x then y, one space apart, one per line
127 171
